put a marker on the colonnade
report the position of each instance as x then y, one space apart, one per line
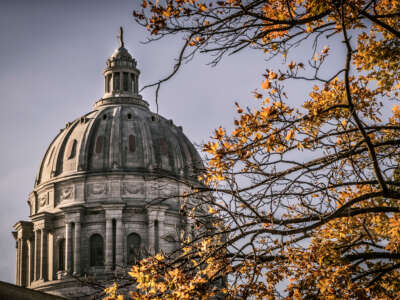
121 82
38 251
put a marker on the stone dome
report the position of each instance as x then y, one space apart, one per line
108 191
125 137
120 135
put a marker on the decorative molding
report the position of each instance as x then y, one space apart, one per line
130 188
66 193
44 199
97 189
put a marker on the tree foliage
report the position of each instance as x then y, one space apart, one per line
306 193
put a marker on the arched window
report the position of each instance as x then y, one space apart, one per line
133 245
96 250
108 83
125 80
72 149
133 83
61 255
116 82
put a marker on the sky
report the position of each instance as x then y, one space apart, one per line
52 55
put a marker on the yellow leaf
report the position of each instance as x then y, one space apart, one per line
265 85
292 65
290 135
202 7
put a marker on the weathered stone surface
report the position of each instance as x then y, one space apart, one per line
114 172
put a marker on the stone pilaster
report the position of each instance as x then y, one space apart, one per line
42 224
120 233
37 255
30 261
18 257
113 211
73 249
23 262
109 246
77 248
156 213
68 248
43 254
22 233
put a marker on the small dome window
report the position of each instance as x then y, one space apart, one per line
132 143
129 115
71 151
104 117
99 144
163 145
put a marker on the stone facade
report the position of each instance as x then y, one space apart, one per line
106 193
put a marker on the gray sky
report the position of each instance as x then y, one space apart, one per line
52 54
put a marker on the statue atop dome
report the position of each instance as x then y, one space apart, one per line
121 37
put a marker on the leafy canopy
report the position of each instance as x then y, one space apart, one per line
306 193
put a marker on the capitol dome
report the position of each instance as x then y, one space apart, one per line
119 137
107 191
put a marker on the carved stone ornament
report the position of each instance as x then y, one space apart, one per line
66 193
43 200
132 188
97 189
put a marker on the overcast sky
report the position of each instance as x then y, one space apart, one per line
52 54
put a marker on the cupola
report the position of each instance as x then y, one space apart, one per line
121 78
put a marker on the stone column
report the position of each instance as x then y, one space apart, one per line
23 262
77 246
121 82
43 254
119 243
37 255
136 83
108 260
30 261
17 246
156 213
68 242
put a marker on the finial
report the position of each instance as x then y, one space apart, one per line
121 37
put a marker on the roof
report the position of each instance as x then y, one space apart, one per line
11 291
125 138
